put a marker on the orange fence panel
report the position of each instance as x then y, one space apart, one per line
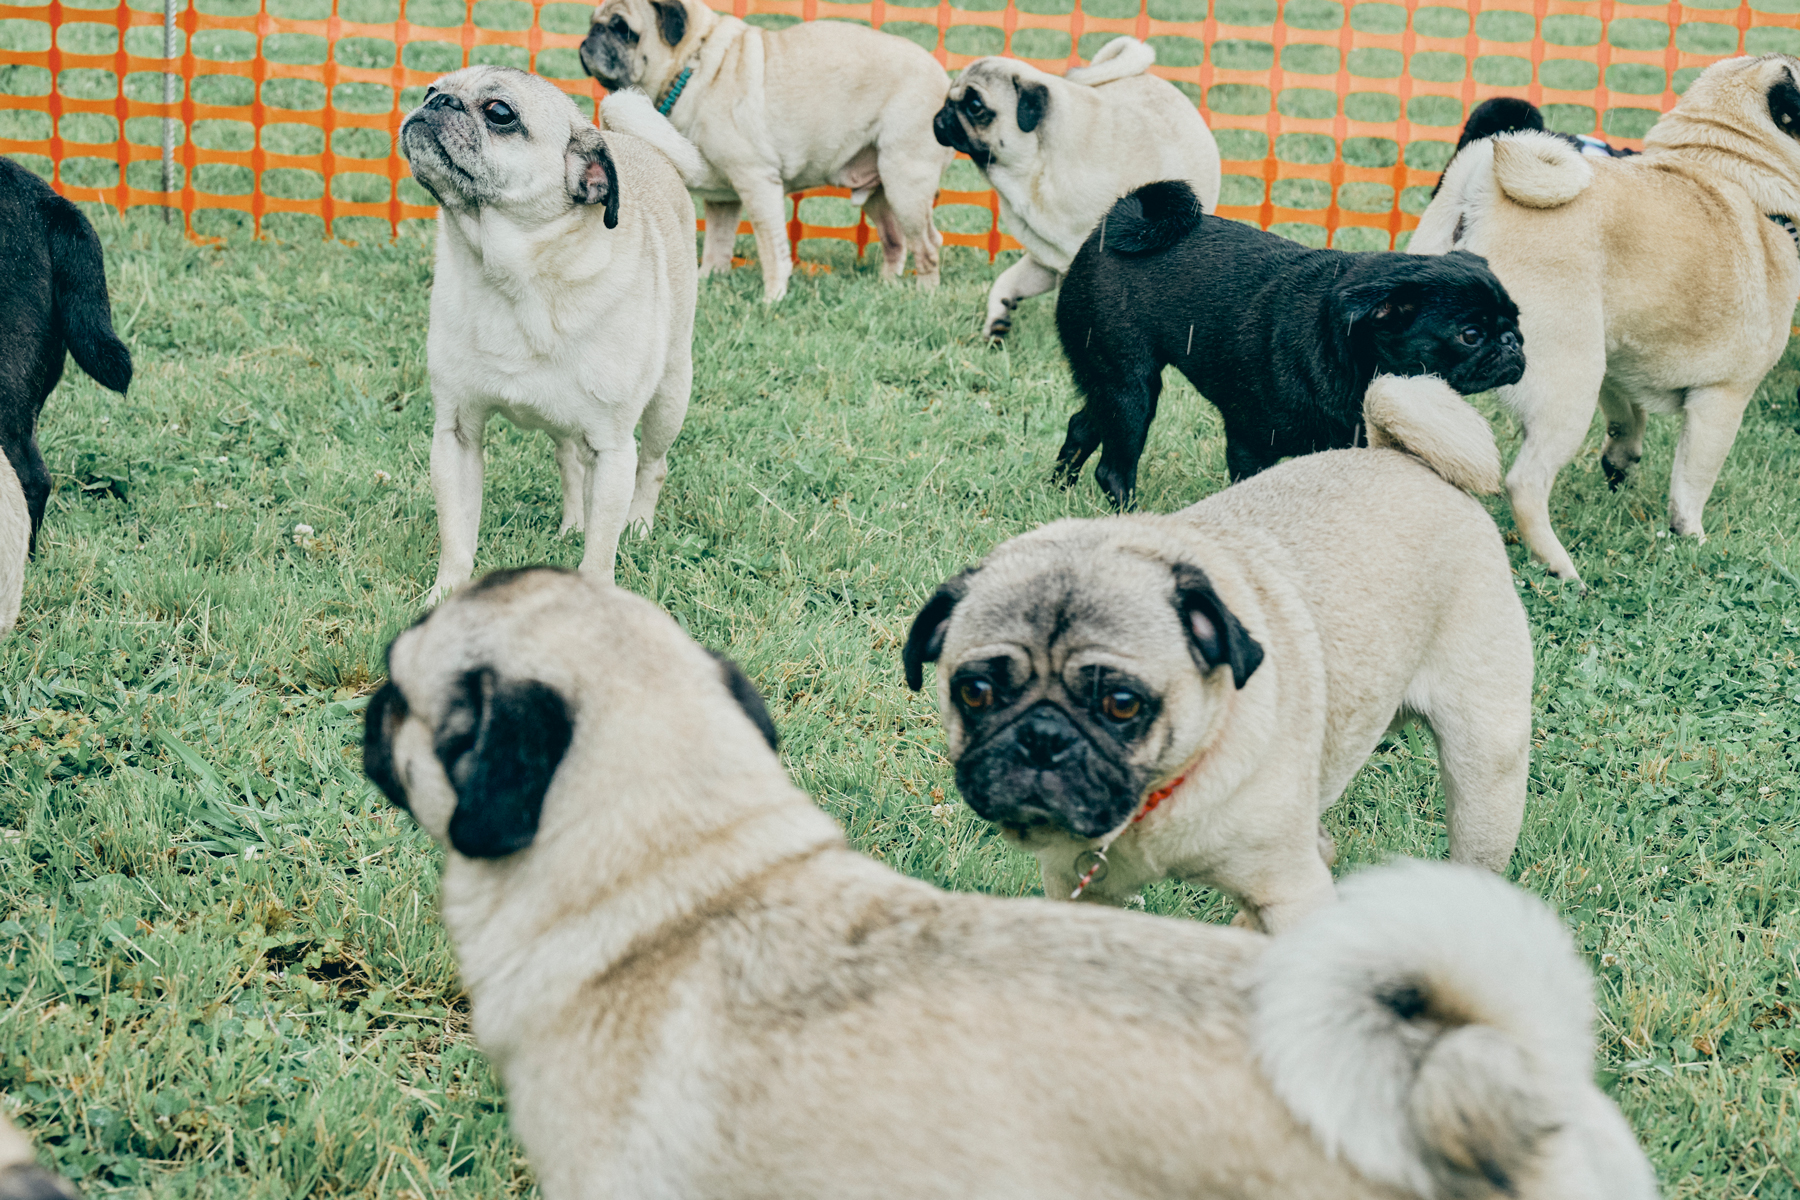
1334 118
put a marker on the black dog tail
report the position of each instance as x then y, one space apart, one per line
1502 114
78 281
1151 219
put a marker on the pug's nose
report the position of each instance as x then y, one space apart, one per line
1044 741
446 100
1510 340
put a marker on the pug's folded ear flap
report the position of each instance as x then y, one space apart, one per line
381 720
1214 634
671 21
748 698
1034 98
1385 301
592 177
500 742
926 640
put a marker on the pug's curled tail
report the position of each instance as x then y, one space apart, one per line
632 112
1431 1029
1425 417
1151 219
1120 58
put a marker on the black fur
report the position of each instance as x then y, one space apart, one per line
671 21
598 182
1784 106
1215 636
1283 340
52 301
1511 114
1034 98
500 743
748 698
606 52
387 708
925 641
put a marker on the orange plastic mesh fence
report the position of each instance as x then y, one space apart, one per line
1334 118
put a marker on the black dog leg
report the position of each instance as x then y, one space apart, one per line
34 481
1132 412
1083 440
1241 462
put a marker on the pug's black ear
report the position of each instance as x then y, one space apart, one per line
500 743
748 698
671 21
1385 301
1784 105
592 177
1213 632
381 720
926 640
1034 98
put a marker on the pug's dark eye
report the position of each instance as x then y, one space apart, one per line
972 104
1121 705
1470 336
619 27
975 693
500 114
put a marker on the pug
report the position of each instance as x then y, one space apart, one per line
691 986
1059 150
563 297
1660 283
20 1176
823 103
1283 340
1142 697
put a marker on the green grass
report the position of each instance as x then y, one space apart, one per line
221 972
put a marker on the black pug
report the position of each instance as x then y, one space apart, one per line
1283 340
52 300
1510 114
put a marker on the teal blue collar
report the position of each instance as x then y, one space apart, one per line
667 104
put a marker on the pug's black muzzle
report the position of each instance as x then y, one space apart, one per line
1043 770
604 57
1501 364
947 127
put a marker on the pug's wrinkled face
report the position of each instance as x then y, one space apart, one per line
1444 315
497 137
1075 675
633 43
993 112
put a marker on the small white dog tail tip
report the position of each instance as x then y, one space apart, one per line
1120 58
631 112
1425 417
1539 170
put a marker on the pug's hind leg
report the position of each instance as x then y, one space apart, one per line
574 483
721 237
1625 422
1484 756
1710 420
886 221
1025 278
767 207
1131 409
1082 441
661 422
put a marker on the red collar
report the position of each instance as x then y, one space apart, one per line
1098 866
1157 797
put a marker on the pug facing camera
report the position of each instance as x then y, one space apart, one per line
1145 697
563 297
1058 150
823 103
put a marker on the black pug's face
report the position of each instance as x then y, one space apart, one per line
1444 315
1068 691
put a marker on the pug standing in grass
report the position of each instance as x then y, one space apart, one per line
1145 697
824 103
691 987
564 297
1664 282
1059 150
